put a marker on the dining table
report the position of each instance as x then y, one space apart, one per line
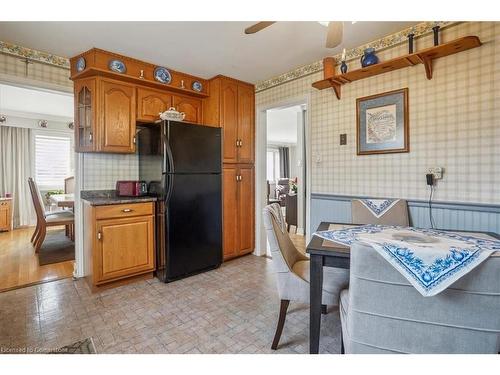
63 200
324 253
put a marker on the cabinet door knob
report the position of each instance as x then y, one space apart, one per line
90 137
99 235
134 140
241 143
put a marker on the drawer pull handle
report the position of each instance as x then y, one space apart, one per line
127 210
99 235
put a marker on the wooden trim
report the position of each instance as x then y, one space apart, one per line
425 56
406 126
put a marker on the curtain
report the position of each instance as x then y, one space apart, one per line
284 162
15 168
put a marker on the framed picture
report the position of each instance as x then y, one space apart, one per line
382 123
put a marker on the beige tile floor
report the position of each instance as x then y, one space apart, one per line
232 309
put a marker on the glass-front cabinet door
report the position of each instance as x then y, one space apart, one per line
85 114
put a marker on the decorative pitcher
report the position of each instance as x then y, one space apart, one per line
369 58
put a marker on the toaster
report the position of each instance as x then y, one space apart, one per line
131 188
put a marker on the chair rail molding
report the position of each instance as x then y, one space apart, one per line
447 215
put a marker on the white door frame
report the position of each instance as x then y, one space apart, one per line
260 166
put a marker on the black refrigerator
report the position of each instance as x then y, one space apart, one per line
182 164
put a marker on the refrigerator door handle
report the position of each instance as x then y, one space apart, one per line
169 187
168 160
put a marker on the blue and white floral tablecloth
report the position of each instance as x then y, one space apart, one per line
431 260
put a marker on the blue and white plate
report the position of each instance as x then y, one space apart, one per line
162 75
197 86
80 64
117 66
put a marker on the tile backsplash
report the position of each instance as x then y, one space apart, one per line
101 171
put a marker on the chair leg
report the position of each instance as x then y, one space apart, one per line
35 232
281 323
342 349
41 238
324 310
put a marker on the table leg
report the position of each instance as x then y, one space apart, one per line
316 289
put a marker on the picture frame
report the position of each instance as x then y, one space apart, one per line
382 123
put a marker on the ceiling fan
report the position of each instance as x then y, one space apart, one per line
333 37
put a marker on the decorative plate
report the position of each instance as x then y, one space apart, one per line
117 66
162 75
197 86
80 64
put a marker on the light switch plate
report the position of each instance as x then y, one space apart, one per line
437 172
343 139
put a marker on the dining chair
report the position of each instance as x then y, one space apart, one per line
69 188
382 312
292 270
396 215
43 220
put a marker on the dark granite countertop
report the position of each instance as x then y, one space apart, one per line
106 197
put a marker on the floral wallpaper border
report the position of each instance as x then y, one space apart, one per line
34 55
355 53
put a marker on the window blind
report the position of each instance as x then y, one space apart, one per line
52 161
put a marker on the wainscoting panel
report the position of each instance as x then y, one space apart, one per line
446 215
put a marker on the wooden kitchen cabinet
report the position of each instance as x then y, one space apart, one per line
191 107
119 241
150 103
5 214
238 210
231 106
117 121
105 115
246 123
85 114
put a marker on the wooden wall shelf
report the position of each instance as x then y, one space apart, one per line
425 57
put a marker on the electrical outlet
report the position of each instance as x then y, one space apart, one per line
343 139
437 172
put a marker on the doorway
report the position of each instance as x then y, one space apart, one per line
36 141
282 168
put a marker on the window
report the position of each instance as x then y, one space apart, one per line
52 160
273 165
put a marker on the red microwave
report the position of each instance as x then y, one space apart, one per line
131 188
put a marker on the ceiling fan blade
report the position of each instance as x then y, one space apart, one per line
258 26
334 34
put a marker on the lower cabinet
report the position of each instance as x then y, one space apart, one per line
238 210
5 215
119 241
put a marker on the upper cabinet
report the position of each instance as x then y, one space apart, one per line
85 122
117 111
104 116
150 103
231 105
191 107
114 92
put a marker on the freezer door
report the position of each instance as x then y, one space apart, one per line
194 148
193 224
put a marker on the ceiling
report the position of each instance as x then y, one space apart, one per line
204 49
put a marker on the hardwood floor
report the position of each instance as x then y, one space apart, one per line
19 263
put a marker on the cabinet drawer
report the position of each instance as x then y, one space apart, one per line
124 210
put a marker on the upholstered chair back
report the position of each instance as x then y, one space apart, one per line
283 251
383 313
396 215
